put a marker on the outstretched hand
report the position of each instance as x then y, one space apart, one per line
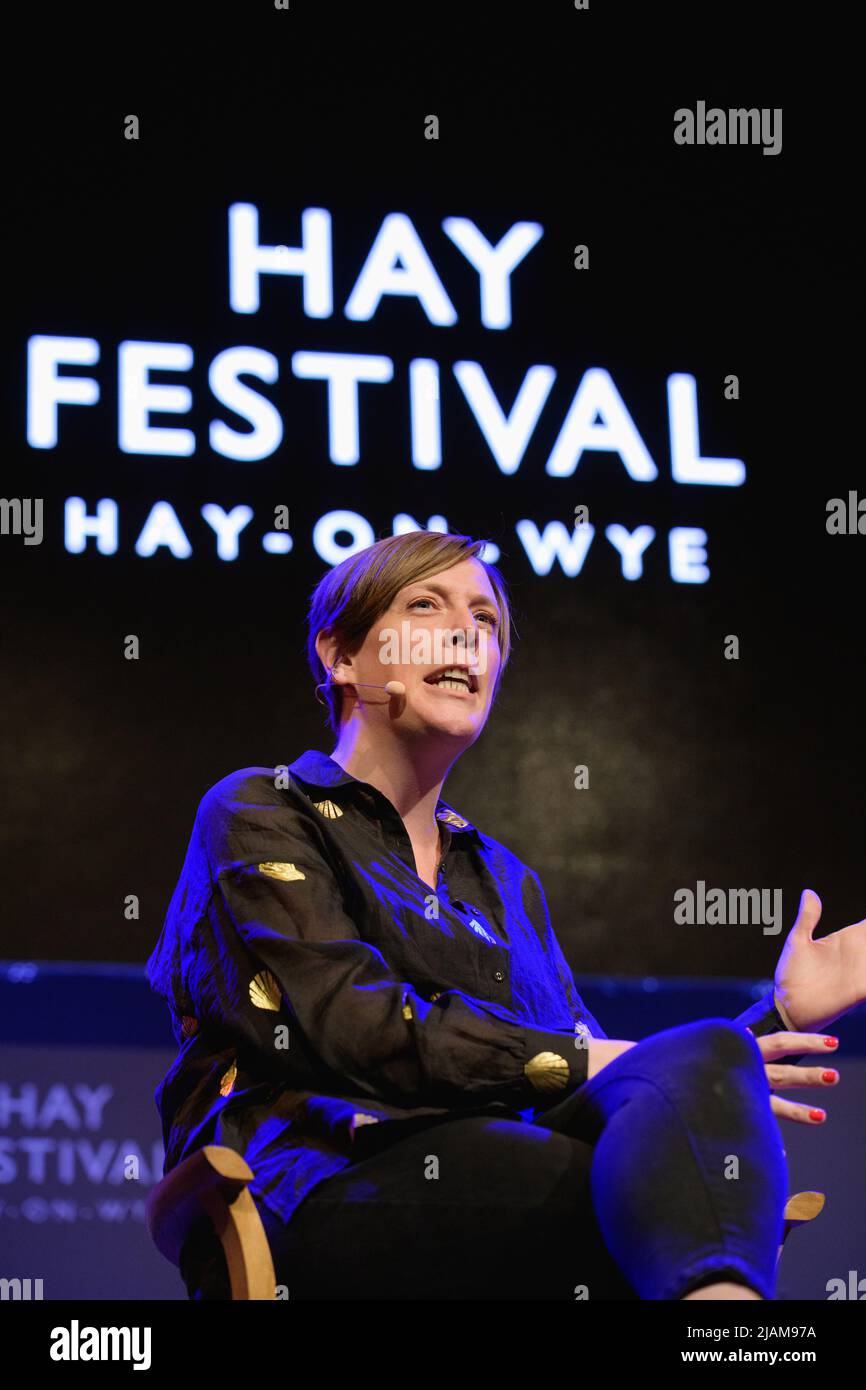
818 981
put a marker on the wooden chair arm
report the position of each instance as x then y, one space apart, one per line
213 1183
800 1208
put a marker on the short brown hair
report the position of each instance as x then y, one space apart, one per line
349 598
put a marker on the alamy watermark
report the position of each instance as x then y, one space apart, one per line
846 518
20 1289
22 516
854 1288
731 907
736 126
77 1343
423 647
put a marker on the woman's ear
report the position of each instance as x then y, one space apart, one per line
327 649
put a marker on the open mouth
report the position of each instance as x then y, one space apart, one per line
454 678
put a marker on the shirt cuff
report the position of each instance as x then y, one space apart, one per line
763 1017
554 1064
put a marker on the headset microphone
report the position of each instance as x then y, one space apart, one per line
392 687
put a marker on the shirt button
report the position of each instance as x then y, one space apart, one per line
499 976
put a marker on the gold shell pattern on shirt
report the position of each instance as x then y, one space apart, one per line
547 1071
188 1026
265 991
228 1082
329 809
361 1119
452 818
273 868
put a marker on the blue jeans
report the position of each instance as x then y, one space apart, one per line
664 1171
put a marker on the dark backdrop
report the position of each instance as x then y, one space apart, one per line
711 261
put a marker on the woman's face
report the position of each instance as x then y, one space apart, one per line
449 620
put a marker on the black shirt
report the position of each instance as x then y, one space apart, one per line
318 986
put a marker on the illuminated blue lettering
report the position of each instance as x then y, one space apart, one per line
687 466
138 397
326 529
494 263
162 527
424 413
79 524
687 553
507 437
248 260
631 546
267 433
380 274
615 433
556 543
228 526
46 390
342 371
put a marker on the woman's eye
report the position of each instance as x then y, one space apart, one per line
492 620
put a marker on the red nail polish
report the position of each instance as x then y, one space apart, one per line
831 1042
816 1114
829 1076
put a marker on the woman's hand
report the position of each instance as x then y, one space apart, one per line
819 981
781 1077
603 1050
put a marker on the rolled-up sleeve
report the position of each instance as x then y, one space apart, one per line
280 965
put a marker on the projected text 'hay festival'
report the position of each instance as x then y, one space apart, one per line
66 374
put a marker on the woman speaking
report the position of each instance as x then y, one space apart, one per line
372 1006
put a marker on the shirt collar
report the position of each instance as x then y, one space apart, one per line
318 770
